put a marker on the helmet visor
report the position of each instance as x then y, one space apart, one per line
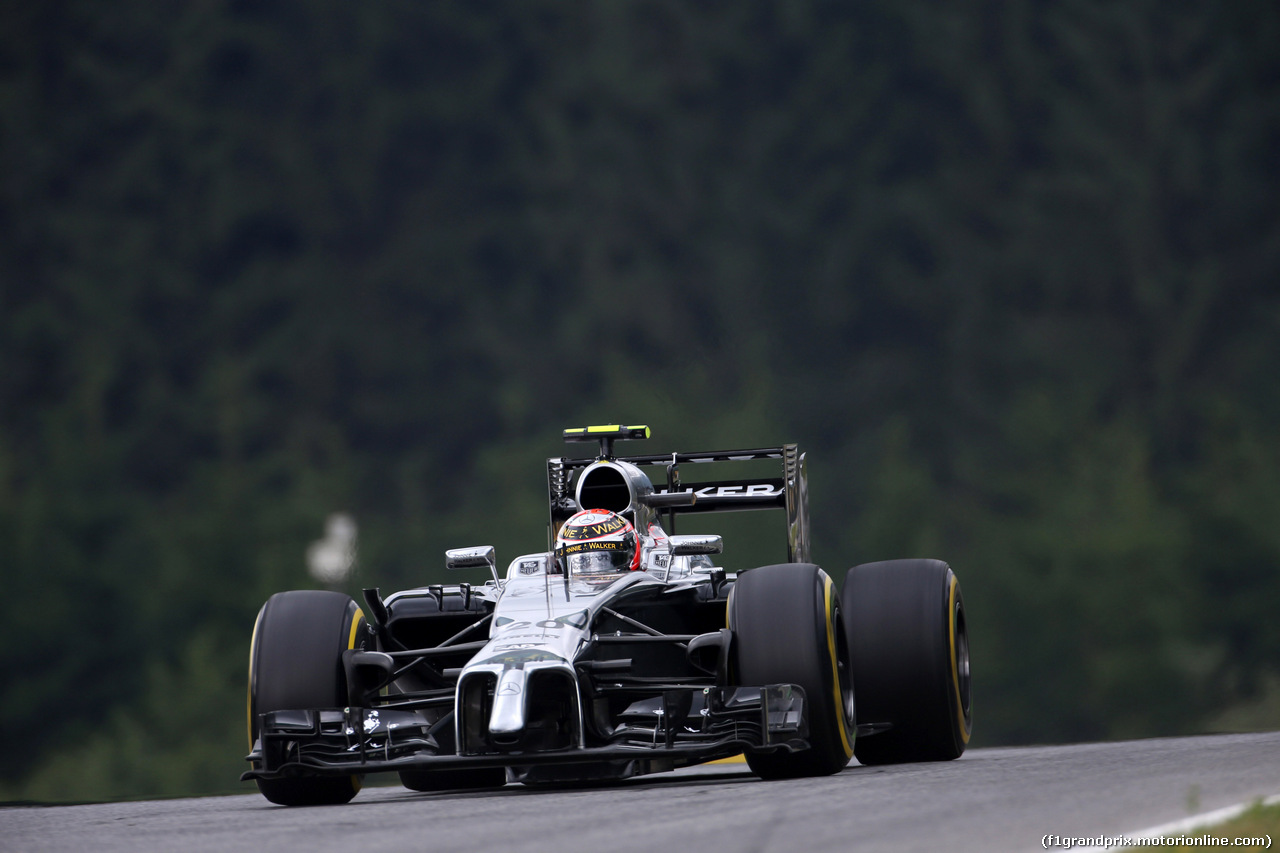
598 562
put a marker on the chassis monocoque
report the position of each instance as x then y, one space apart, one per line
539 676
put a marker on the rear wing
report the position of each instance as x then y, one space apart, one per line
790 492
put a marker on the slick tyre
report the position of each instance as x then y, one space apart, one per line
295 662
788 629
909 641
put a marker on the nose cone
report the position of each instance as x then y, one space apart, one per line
507 717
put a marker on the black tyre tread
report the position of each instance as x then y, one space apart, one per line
780 619
898 616
296 663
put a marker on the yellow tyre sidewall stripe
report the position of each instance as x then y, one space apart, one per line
828 589
955 667
355 624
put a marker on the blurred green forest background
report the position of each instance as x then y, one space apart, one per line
1009 271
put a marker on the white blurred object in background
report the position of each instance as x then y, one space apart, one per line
331 559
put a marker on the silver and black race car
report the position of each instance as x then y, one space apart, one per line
622 650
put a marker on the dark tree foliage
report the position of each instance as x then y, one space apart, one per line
1010 271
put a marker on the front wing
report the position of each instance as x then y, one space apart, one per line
690 726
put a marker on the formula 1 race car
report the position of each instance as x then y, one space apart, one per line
622 650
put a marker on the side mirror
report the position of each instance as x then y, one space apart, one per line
477 557
696 543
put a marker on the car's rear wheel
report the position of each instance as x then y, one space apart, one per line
788 629
909 641
295 662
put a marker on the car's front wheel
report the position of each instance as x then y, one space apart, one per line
295 662
788 629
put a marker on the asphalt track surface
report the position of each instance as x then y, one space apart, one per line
989 800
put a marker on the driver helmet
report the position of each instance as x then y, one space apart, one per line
597 542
